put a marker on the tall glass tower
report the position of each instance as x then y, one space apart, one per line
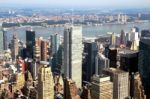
144 60
73 54
30 42
1 38
55 47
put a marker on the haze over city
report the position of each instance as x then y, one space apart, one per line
77 3
74 49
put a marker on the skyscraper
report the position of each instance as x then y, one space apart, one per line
112 56
44 50
88 66
101 87
120 82
122 38
14 48
37 49
129 61
70 89
30 42
5 43
1 39
138 90
55 48
73 54
101 62
145 33
55 43
113 39
144 60
45 82
134 36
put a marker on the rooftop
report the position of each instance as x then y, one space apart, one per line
126 51
115 70
101 78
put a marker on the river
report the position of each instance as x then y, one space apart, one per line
88 31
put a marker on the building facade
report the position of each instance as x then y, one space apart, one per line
44 50
101 87
101 63
88 66
144 60
129 61
45 83
120 81
30 42
55 51
70 89
73 54
1 38
15 47
113 39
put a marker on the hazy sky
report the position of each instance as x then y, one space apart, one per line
80 3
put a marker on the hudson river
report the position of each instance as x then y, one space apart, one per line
88 31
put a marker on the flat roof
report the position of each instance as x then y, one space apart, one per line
115 70
126 51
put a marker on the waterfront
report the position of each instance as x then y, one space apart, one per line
88 31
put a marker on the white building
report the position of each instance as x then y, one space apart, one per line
73 54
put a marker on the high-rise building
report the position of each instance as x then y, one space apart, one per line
20 65
128 36
113 39
119 17
112 56
41 50
144 60
37 49
1 40
45 82
55 43
1 74
134 46
30 42
122 38
70 89
101 62
88 66
101 87
129 61
73 54
145 33
86 93
20 81
5 43
120 82
15 47
133 38
138 90
122 18
35 68
44 50
55 49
